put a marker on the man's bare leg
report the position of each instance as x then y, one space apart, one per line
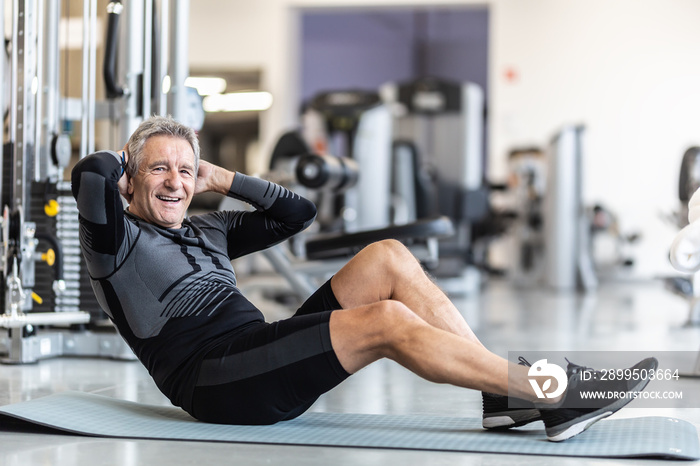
393 309
387 270
388 329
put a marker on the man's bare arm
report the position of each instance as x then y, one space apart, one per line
212 178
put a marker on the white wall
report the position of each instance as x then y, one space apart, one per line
627 69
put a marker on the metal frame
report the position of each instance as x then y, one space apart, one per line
37 110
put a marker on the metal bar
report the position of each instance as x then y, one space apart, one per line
132 60
179 58
39 155
92 76
17 121
25 105
43 318
85 81
53 17
300 283
14 60
147 57
164 11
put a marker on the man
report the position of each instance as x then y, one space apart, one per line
167 283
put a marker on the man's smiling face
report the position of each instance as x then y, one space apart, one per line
163 187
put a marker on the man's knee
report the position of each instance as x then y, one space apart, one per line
363 335
390 246
391 252
380 322
392 318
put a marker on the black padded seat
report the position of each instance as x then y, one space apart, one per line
346 244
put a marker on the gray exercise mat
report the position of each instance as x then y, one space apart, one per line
101 416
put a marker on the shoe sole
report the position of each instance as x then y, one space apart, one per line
578 427
509 419
572 428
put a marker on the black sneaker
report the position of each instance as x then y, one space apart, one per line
498 415
502 412
575 413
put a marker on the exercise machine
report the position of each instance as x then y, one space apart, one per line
568 262
342 159
49 307
687 286
524 194
560 242
352 127
439 169
553 229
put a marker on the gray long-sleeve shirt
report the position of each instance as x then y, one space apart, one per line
172 292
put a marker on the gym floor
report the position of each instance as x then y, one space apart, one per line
620 316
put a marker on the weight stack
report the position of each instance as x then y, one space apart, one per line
69 233
44 275
78 295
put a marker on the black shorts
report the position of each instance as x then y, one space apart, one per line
271 372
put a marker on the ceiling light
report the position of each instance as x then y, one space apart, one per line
238 102
206 85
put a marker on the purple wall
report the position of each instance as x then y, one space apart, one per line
362 50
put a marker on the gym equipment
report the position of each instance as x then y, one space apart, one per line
439 169
553 228
327 172
351 126
95 415
687 286
525 193
419 149
307 260
610 246
351 188
688 180
568 263
49 306
559 241
32 161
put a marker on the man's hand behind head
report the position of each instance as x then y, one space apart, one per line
212 178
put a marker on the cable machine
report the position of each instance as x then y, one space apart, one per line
48 305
